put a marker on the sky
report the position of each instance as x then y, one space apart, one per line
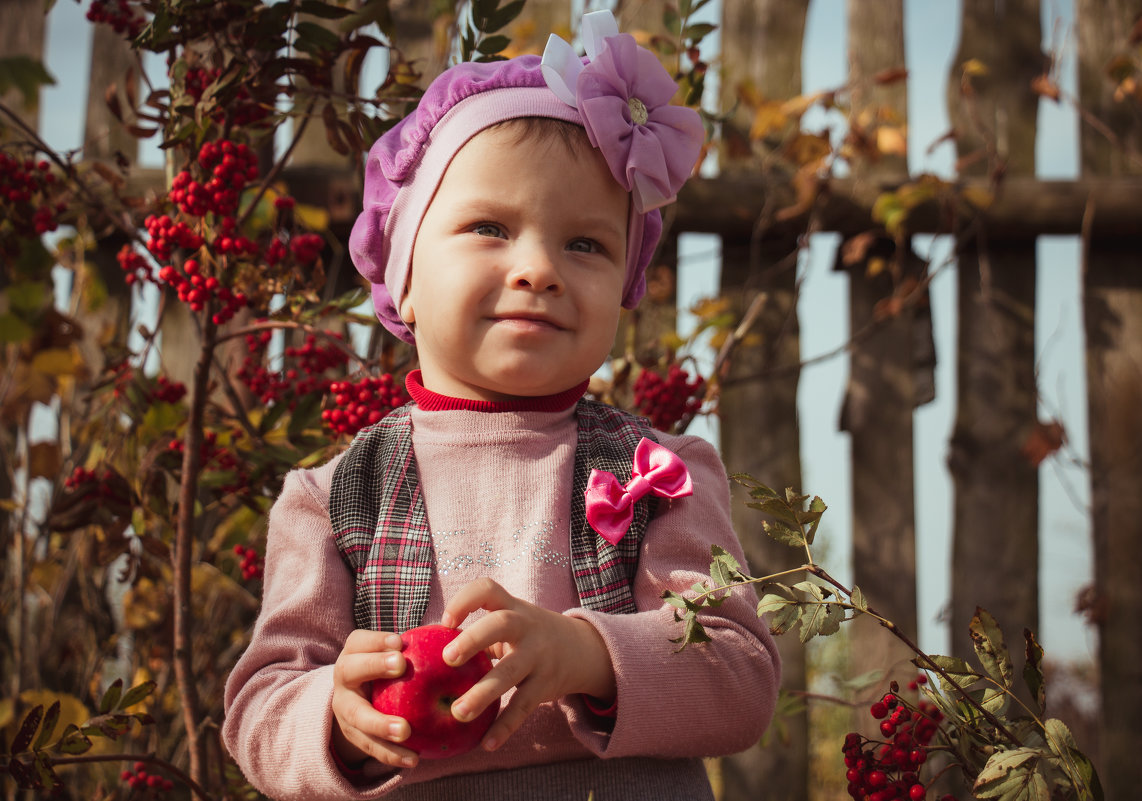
931 37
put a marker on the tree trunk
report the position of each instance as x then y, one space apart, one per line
762 44
995 563
1113 322
881 394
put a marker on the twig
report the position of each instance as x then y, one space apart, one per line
151 759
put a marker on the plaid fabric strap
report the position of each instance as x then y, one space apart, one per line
604 572
381 528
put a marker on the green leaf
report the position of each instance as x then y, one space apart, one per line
1012 776
857 599
501 18
315 8
670 19
771 602
111 697
698 31
13 330
1033 671
725 569
25 75
48 727
28 728
74 741
1075 763
493 44
314 38
987 638
136 694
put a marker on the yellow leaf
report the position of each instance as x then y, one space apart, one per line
978 196
892 140
54 361
973 67
875 266
797 106
314 218
768 118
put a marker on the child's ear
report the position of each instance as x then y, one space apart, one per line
406 311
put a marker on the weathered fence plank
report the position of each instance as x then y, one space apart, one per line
760 435
880 396
1112 307
995 561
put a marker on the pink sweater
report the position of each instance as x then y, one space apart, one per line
497 488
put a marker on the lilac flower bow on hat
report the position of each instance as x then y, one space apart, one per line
610 504
623 95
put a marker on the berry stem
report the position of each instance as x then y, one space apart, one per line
183 552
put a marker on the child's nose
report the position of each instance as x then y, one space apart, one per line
536 269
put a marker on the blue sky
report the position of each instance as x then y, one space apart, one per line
932 29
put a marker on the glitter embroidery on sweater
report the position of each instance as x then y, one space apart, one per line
529 541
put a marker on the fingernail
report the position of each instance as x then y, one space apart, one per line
461 712
450 654
491 744
409 762
392 661
392 642
395 731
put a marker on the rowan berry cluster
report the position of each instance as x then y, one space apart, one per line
167 391
25 196
666 400
196 290
119 15
888 770
135 265
230 166
252 564
362 403
303 375
82 477
165 235
141 781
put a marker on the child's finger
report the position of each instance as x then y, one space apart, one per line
522 704
509 672
355 669
483 593
364 641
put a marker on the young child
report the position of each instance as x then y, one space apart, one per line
506 223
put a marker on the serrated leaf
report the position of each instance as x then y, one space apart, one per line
1059 737
785 618
987 639
47 728
784 534
812 589
28 729
1033 671
959 670
1011 776
771 602
857 599
812 619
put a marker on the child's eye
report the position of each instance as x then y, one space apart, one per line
584 246
488 229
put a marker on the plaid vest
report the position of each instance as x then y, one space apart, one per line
381 529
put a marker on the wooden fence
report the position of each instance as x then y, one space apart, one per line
996 489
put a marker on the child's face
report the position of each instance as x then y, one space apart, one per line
518 269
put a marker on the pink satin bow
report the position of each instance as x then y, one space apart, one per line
610 505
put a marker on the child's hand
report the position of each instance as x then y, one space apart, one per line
544 654
359 730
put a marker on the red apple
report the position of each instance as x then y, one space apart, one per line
424 693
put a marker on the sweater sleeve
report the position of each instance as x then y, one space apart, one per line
669 703
278 696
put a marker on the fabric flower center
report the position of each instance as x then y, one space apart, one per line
638 113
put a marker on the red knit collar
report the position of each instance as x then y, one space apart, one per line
431 401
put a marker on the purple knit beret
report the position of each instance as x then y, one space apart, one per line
406 165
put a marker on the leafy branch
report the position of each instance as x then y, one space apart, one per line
1026 757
